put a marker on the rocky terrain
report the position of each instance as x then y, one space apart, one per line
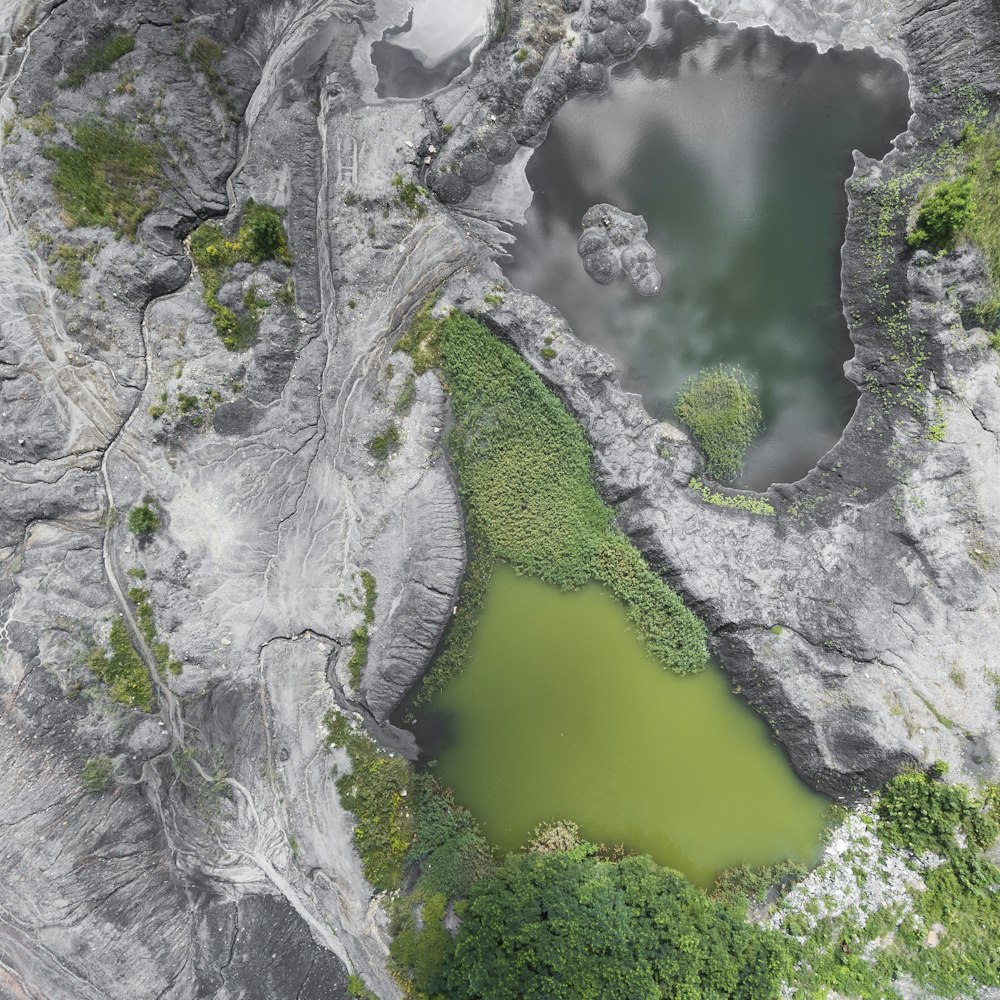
614 241
861 619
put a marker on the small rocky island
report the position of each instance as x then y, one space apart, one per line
276 431
614 241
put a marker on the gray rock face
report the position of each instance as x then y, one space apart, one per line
222 841
505 109
613 241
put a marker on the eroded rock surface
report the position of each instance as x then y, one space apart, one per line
845 618
614 241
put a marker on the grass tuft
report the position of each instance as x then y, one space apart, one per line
722 411
100 56
108 178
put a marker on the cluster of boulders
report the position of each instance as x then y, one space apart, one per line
614 241
600 33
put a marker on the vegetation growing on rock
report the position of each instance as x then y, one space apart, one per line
109 177
722 411
122 669
139 596
97 774
261 237
908 891
360 634
100 56
377 791
523 467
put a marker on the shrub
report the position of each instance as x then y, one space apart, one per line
261 237
109 178
385 444
721 409
377 792
143 520
523 468
920 813
359 635
420 949
122 669
562 925
98 58
97 774
944 211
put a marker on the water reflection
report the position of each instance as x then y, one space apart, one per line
734 145
433 46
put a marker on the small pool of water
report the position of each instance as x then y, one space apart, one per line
433 47
735 146
560 714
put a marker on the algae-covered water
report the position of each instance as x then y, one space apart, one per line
560 714
735 146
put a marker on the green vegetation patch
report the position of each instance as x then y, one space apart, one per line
108 178
523 467
143 520
121 668
360 634
404 402
449 847
570 925
722 411
100 56
139 596
69 261
941 922
738 501
945 210
378 792
385 444
410 195
97 774
261 237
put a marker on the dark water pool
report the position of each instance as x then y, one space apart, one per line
735 146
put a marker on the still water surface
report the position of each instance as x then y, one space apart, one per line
560 714
735 146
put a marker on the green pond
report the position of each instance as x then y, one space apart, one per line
560 714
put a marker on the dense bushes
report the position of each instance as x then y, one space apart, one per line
524 473
569 925
261 237
109 178
944 212
377 792
122 669
449 847
721 409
